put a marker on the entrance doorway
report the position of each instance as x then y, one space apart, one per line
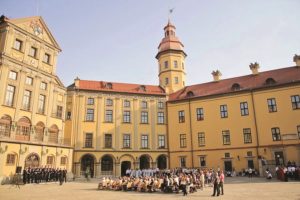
279 159
107 165
144 162
87 163
162 162
32 161
124 166
228 166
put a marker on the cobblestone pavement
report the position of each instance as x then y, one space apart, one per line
235 189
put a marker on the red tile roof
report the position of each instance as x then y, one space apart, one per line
248 82
119 87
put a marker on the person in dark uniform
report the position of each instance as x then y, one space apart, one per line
61 176
65 175
24 176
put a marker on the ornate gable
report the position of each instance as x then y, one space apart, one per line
37 27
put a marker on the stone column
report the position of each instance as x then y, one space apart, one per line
117 169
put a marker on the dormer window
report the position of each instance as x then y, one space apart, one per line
270 81
190 94
235 87
143 88
108 85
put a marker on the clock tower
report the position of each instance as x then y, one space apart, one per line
171 59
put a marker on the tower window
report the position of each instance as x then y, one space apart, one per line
176 80
166 81
182 65
175 64
166 64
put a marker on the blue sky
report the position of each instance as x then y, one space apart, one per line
117 40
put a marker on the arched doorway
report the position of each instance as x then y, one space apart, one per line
144 162
107 165
87 163
5 123
162 162
124 166
32 160
23 129
39 131
53 134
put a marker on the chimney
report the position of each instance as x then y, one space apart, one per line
297 60
76 81
254 68
217 75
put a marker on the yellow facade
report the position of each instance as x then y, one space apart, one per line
32 98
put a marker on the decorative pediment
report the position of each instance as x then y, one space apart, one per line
37 27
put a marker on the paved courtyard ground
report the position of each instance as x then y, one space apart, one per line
238 188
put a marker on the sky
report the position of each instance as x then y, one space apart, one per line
117 40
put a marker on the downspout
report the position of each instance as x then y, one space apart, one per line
168 140
255 122
191 132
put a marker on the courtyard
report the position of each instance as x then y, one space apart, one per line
235 188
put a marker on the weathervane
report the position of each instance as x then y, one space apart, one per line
170 12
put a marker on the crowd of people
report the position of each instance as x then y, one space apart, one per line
44 174
168 181
291 171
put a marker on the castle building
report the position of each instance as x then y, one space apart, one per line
32 98
250 121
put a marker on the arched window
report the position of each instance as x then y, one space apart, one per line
270 81
5 123
53 134
190 94
23 129
235 87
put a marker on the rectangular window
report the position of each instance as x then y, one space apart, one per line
26 100
182 140
144 117
63 160
161 142
244 108
69 114
126 116
160 105
166 81
90 101
50 160
59 110
176 80
227 155
18 45
43 86
181 116
202 161
126 104
108 141
200 114
109 116
109 102
166 64
88 140
10 159
10 93
175 64
41 106
295 102
276 134
46 58
182 161
201 139
144 104
249 154
247 135
160 118
126 141
272 105
144 139
298 129
223 110
29 80
89 114
12 75
32 52
226 137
